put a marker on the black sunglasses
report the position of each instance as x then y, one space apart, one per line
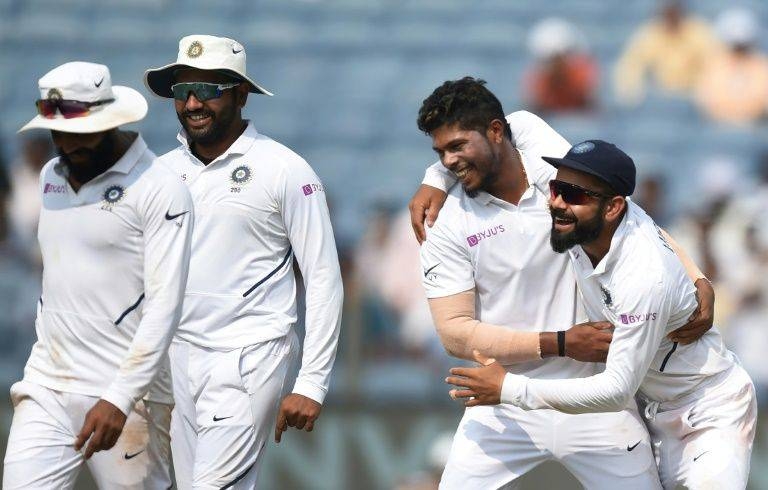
572 193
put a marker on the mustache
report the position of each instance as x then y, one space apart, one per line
561 213
198 112
79 151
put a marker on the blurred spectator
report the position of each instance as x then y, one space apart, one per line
377 317
734 85
672 48
402 289
24 210
746 330
564 77
19 291
650 194
715 234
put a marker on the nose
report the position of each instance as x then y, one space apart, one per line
68 142
556 201
193 103
450 160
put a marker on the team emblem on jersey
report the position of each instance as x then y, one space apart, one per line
583 147
606 296
195 49
241 175
113 194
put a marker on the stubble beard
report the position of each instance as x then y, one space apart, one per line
216 131
99 159
583 232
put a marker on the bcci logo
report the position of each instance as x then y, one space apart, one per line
54 94
583 147
241 175
195 49
606 296
113 194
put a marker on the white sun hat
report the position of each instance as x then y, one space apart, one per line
203 52
737 26
554 36
88 82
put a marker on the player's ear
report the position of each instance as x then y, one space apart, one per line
241 92
495 132
614 208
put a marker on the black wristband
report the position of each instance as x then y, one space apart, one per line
561 343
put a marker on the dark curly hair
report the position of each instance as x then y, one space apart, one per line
466 101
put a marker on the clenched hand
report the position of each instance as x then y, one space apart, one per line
296 411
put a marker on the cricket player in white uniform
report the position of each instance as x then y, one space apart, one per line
115 232
488 251
699 403
258 207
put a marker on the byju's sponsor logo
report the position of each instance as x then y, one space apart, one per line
312 188
643 317
473 240
55 188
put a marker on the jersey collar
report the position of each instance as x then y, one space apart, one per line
618 238
531 174
241 146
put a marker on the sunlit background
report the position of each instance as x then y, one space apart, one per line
685 93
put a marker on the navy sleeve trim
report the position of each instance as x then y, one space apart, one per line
130 309
274 271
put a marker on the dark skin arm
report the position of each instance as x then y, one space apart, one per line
479 385
701 319
585 342
102 427
482 385
424 207
296 411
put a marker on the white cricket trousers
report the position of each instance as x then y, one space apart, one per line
705 439
226 406
495 445
41 454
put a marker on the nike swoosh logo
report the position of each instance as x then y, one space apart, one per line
700 455
629 448
235 52
171 217
98 84
216 419
430 269
131 456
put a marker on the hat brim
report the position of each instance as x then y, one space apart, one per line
159 80
564 162
129 106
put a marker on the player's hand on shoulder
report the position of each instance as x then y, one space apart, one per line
296 411
589 342
425 205
102 427
701 319
479 385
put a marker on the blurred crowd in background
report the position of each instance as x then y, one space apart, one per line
678 69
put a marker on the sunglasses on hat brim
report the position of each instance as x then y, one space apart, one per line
67 108
572 193
203 90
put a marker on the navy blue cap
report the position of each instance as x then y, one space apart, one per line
603 160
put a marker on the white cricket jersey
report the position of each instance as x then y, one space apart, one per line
257 207
642 288
115 260
503 251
